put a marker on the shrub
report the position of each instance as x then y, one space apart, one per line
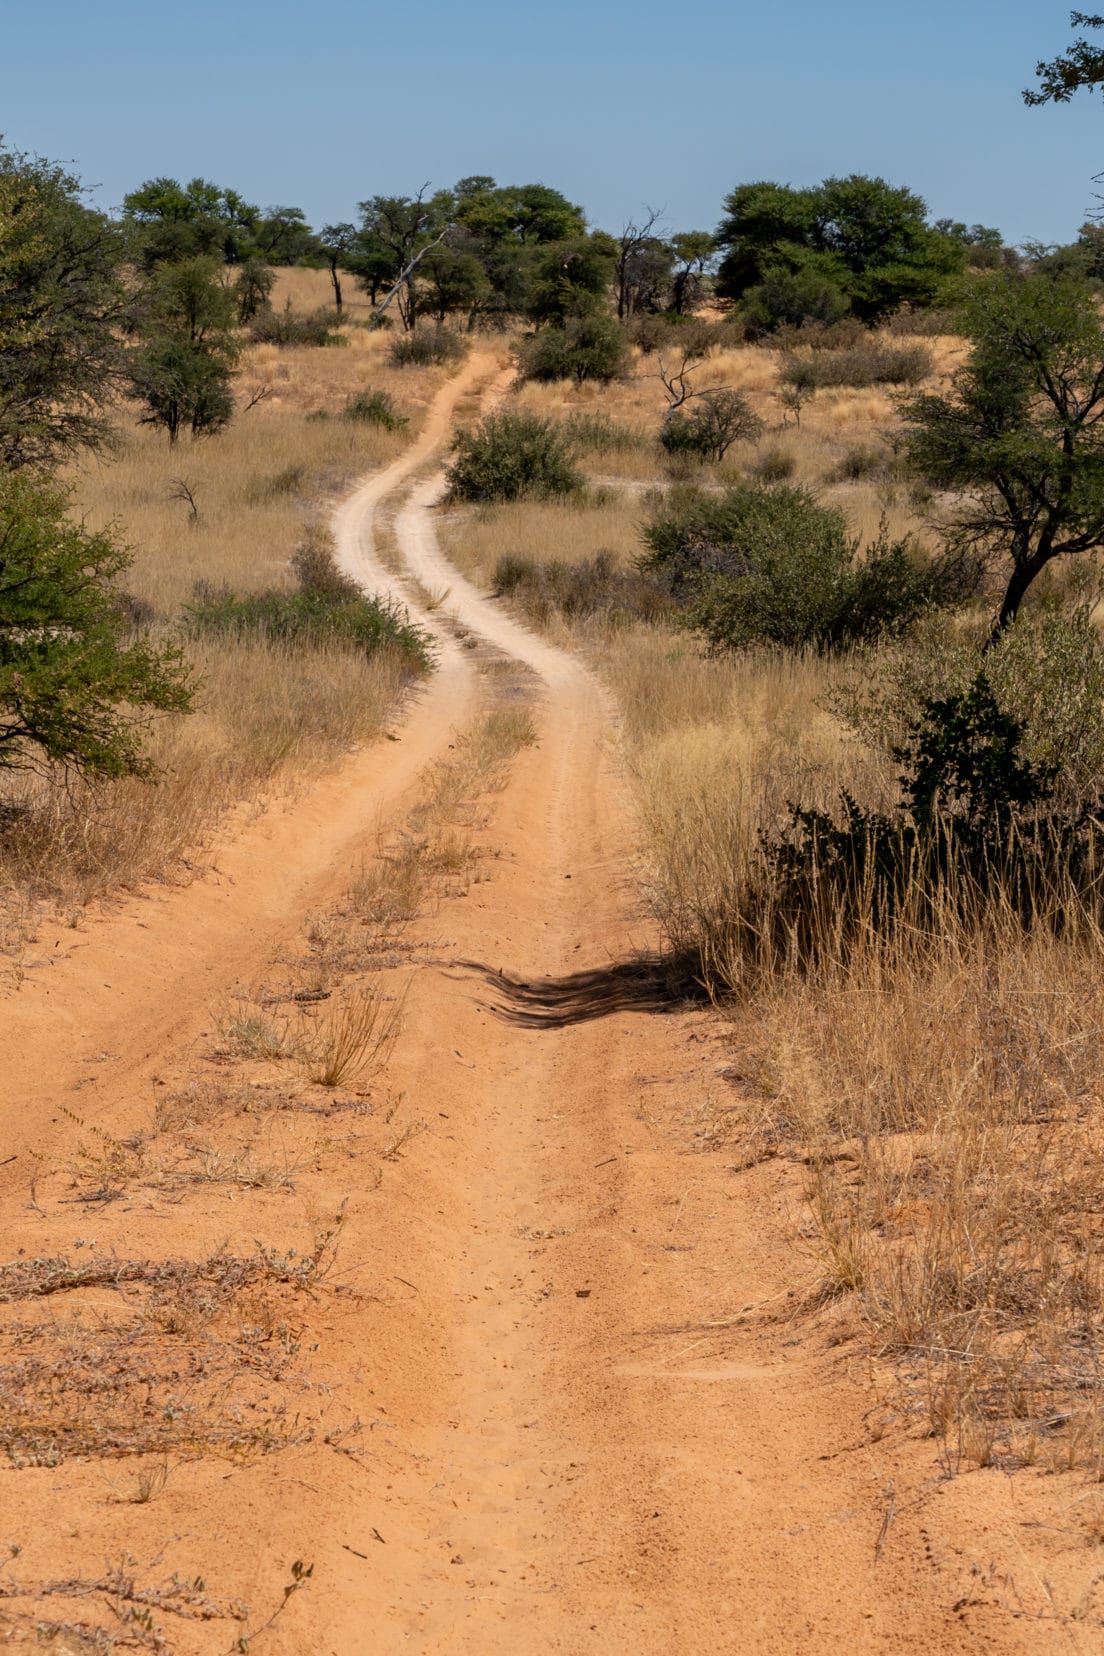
597 433
1046 673
771 564
77 688
315 566
857 463
588 347
511 457
774 465
596 588
716 420
872 363
272 327
668 329
427 348
375 408
310 618
976 823
791 298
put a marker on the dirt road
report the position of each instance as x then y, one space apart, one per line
558 1400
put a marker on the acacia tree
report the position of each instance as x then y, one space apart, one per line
184 369
692 251
75 688
337 242
1081 65
1019 437
631 243
62 300
396 232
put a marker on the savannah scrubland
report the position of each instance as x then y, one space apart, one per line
907 980
267 713
943 1085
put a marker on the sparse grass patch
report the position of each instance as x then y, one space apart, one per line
353 1039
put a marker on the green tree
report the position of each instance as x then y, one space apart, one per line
395 233
861 235
184 368
169 221
692 252
1080 66
75 688
283 237
587 347
337 242
451 278
773 565
255 284
1019 437
571 277
62 302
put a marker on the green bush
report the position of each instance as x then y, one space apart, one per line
774 465
786 298
310 618
977 825
596 588
512 457
272 327
587 347
716 420
315 566
858 462
1046 672
427 348
375 408
769 564
871 363
598 434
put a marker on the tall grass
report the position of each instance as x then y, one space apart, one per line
942 1075
264 716
266 712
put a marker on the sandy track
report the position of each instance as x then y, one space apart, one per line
566 1453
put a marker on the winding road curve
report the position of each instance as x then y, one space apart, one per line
577 1443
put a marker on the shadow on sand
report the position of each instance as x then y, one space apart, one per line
645 983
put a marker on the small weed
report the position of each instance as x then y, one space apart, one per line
353 1040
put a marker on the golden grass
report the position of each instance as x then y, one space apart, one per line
946 1090
265 714
947 1094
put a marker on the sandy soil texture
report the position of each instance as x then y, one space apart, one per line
552 1395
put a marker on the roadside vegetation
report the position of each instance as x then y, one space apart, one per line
819 490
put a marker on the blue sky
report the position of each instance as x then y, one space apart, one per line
616 102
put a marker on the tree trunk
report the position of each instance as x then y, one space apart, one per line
336 280
1022 577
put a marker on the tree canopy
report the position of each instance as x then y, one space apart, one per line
1079 67
866 240
1019 437
75 689
62 300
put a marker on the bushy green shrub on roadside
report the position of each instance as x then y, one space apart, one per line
309 618
375 408
587 347
770 564
512 456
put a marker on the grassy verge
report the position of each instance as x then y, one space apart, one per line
942 1089
226 515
